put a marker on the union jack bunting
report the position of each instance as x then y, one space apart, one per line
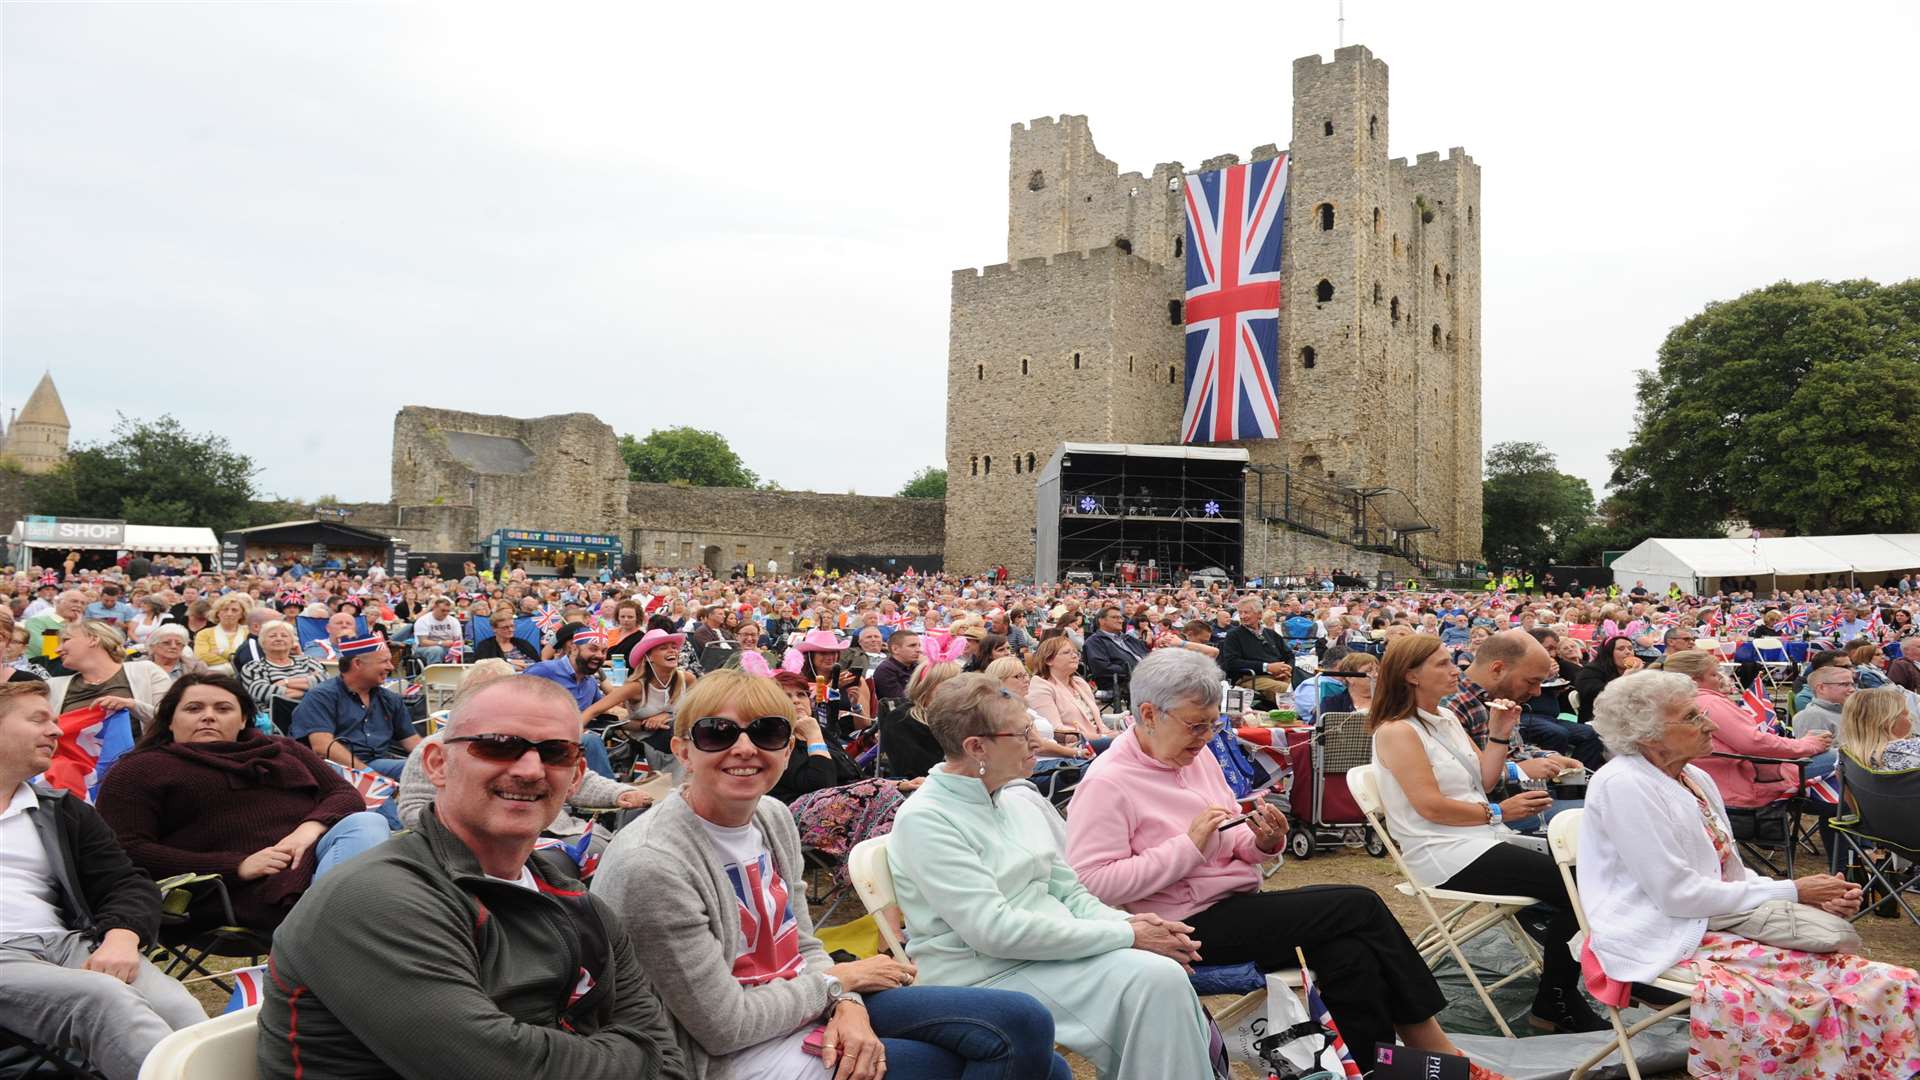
249 986
1234 297
373 788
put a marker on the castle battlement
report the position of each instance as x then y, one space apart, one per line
1059 261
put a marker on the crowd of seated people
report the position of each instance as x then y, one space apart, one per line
1023 930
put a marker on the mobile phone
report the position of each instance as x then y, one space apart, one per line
1231 822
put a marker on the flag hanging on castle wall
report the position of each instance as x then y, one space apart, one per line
1233 302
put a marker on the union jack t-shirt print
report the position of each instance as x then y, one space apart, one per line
1234 296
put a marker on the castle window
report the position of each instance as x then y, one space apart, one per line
1173 312
1373 125
1173 183
1123 244
1325 210
975 460
1076 361
1376 221
1179 245
1029 461
1329 128
1323 292
1376 292
1307 357
1173 375
1449 281
1436 335
1469 213
1393 310
1036 181
980 372
1436 275
1129 363
1023 365
986 463
1016 464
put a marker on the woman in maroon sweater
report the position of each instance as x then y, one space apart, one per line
206 792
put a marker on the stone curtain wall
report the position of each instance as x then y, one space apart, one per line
572 477
675 525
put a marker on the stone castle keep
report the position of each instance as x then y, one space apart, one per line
1079 335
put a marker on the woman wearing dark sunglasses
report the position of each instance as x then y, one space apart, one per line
703 879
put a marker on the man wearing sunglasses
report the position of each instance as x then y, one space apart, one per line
458 950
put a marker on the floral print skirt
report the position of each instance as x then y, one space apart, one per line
832 820
1772 1013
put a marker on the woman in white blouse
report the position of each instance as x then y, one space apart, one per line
1663 885
1433 785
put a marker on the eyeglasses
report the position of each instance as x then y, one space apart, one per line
501 749
716 734
1024 733
1695 718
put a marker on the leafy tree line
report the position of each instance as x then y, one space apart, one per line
1794 406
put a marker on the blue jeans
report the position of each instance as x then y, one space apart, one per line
349 836
429 654
965 1033
594 748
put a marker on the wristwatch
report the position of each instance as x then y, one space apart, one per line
836 993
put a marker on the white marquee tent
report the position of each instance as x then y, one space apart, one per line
1774 562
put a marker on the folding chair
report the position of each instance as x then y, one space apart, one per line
1775 663
1772 835
1882 810
184 948
1473 913
1563 839
442 682
222 1048
22 1058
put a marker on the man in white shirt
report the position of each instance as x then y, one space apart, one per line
435 632
73 907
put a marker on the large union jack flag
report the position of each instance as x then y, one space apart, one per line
1233 302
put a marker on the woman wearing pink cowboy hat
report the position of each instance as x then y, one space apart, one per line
653 688
846 703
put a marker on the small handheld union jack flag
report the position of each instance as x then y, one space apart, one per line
548 619
249 987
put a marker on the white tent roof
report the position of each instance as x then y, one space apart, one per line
1690 558
171 540
1872 553
1864 553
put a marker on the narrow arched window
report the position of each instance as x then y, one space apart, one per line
1436 275
986 465
1373 126
1029 461
1016 464
1436 335
1393 310
1328 130
1173 375
1307 356
1376 220
1325 210
1023 365
1378 294
1076 361
975 463
1323 292
980 372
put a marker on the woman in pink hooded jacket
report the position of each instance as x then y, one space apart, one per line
1154 829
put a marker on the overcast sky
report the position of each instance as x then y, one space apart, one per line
285 221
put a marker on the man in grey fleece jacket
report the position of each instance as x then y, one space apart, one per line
457 950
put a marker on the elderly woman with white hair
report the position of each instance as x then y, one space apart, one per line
169 647
1154 830
283 674
988 901
1663 885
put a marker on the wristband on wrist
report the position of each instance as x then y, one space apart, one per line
1502 742
816 748
1514 775
1493 813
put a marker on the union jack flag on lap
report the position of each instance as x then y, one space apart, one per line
373 788
1233 302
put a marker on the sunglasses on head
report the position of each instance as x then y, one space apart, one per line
508 748
717 734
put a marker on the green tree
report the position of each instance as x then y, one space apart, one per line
684 455
151 472
1790 407
1530 507
928 483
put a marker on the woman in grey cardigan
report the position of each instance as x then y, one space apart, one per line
701 881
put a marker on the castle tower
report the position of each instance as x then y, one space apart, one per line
1080 337
38 438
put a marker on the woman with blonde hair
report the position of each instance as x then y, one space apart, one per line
907 748
1014 675
1744 784
217 643
1876 727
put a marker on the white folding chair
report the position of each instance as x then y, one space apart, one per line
1563 838
442 681
1472 913
218 1049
